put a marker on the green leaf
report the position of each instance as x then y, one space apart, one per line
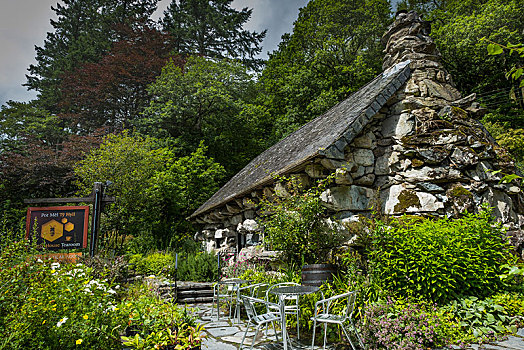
494 49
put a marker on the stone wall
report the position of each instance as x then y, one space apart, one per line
423 153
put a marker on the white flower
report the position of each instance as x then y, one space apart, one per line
61 322
55 265
39 260
111 291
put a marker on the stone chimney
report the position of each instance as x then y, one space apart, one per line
442 158
408 38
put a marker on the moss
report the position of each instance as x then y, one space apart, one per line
459 191
406 199
459 112
416 163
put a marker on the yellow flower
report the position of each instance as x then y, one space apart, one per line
43 322
85 317
78 341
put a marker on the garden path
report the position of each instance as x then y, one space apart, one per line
227 335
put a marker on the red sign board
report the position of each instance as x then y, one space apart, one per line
57 228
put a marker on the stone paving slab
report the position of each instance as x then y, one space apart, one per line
225 334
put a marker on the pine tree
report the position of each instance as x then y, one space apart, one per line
213 29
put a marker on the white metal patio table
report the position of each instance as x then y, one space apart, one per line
282 293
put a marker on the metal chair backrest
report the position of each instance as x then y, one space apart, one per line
249 304
259 290
350 304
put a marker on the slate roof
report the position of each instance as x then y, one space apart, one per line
326 135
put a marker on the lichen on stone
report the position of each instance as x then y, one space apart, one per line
417 163
407 199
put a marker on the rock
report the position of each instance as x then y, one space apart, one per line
315 171
387 163
366 180
398 126
248 202
438 90
513 190
427 174
347 198
343 177
433 155
365 141
221 233
234 221
210 246
464 157
363 157
250 225
429 187
461 198
281 191
402 200
360 171
331 163
501 204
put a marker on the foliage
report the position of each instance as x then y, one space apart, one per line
200 266
481 318
209 100
459 26
184 184
114 270
111 92
516 71
296 225
212 29
155 190
82 32
440 260
393 325
48 305
334 49
153 323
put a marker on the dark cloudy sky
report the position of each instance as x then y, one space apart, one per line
24 24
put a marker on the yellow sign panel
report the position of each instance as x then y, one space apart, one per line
52 230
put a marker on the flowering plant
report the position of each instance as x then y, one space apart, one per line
45 304
392 325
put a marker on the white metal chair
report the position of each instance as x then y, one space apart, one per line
322 314
225 292
251 290
291 306
257 319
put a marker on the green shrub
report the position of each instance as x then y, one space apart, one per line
198 267
157 263
441 260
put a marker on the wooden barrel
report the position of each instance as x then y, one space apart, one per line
316 274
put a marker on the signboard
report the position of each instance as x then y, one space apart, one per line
57 228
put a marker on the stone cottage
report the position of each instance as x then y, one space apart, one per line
407 138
